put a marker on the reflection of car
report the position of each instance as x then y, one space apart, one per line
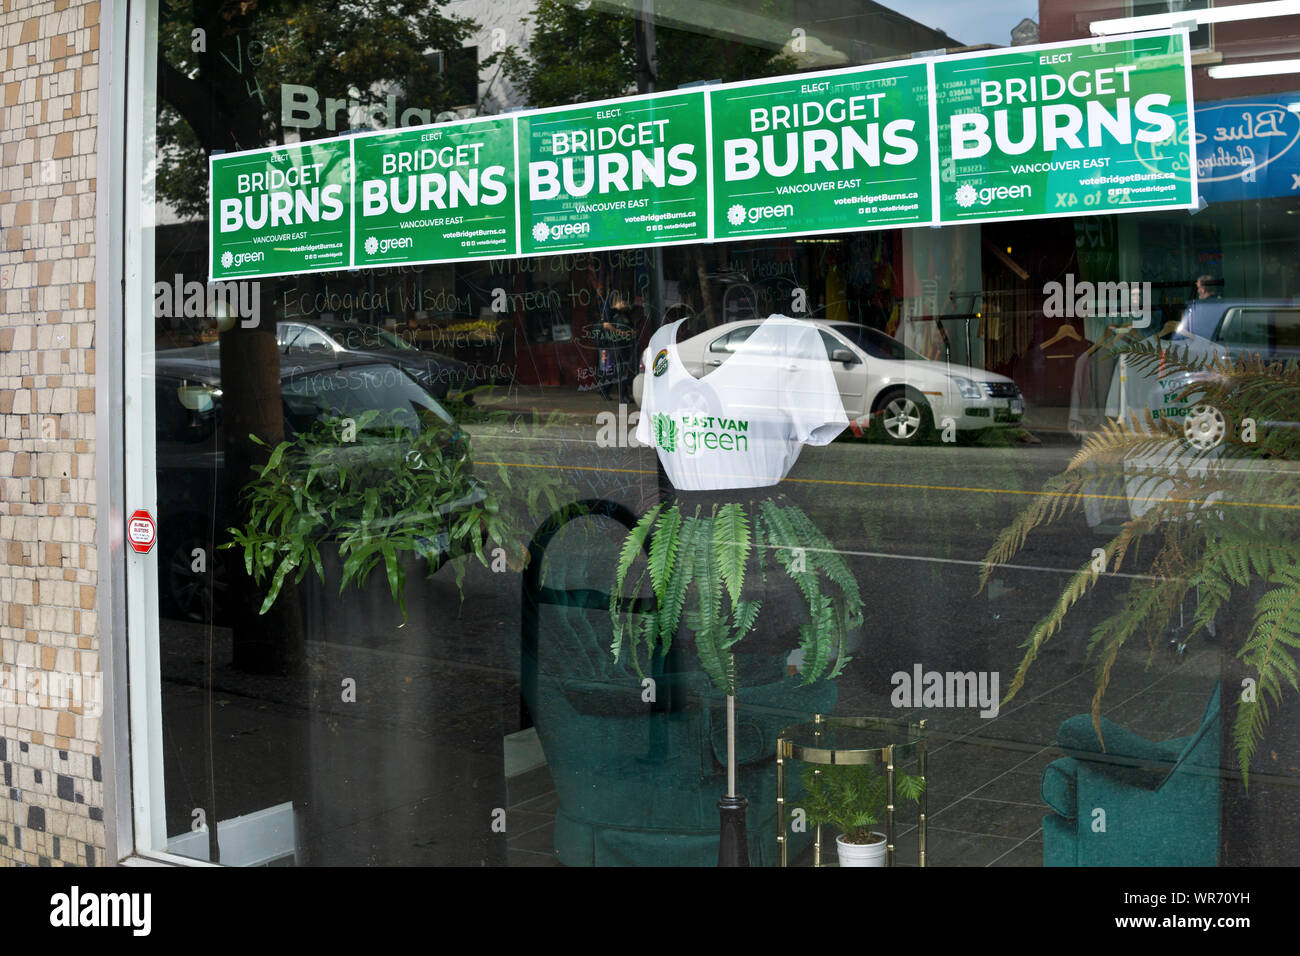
1209 330
438 373
881 381
194 505
1216 328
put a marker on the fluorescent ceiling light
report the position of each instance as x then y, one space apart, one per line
1260 68
1164 21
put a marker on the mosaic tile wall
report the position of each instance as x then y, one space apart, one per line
50 688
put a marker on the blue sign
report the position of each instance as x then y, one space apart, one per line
1248 149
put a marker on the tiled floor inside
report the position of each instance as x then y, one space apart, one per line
984 811
984 777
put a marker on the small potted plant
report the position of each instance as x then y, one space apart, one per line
852 799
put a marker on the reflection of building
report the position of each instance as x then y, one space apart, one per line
1025 32
820 35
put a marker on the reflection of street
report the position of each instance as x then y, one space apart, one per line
914 525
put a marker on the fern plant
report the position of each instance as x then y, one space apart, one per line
853 798
1221 525
376 489
696 568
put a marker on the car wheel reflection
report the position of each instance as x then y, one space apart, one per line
904 420
1205 428
188 595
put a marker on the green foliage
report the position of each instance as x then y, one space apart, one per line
1221 524
390 493
228 95
577 55
713 553
853 798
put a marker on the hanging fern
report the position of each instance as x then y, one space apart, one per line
1223 528
697 569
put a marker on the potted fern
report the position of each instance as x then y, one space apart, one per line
370 505
371 492
852 799
356 494
698 568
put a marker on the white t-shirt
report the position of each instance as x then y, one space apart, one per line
744 424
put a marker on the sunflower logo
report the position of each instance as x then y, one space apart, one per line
372 245
736 214
966 195
541 232
227 259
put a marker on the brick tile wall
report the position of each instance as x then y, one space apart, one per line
50 688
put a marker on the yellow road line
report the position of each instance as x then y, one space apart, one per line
915 487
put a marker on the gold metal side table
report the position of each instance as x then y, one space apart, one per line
851 741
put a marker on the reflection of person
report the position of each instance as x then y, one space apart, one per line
615 358
1204 288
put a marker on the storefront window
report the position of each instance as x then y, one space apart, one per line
430 590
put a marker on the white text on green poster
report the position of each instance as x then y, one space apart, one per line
435 195
844 151
1064 130
627 173
280 211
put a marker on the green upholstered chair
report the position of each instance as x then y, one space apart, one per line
1161 800
638 782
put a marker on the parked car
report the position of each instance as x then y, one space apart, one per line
1208 330
885 387
194 505
443 376
1216 328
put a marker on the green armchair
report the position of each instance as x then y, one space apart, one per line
1159 802
637 780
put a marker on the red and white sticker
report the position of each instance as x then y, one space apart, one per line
141 531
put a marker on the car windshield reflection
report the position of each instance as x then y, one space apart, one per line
877 344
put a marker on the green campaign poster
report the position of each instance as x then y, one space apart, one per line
280 210
623 173
435 194
824 152
1065 129
1078 128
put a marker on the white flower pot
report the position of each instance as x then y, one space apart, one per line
858 854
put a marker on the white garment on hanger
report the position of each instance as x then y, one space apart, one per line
744 424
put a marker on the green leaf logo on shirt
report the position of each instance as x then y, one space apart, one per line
665 432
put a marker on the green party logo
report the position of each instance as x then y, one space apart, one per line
233 260
665 432
738 215
696 433
376 246
967 195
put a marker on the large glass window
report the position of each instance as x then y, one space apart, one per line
420 557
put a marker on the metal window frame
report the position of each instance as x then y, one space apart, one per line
109 446
131 741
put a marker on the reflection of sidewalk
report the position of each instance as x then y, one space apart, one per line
564 399
1040 418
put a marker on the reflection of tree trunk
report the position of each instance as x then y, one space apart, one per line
706 291
270 643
